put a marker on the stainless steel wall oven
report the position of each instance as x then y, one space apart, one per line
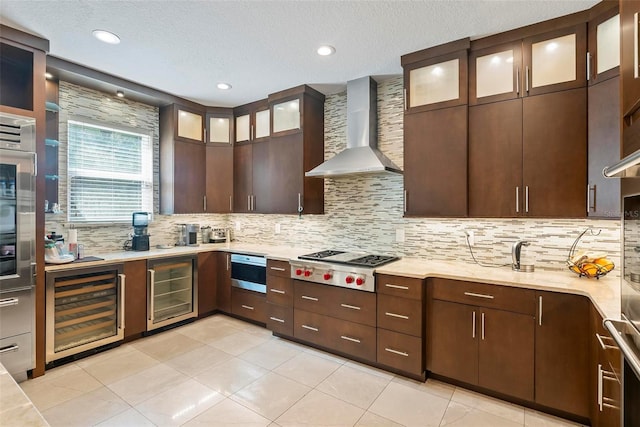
249 272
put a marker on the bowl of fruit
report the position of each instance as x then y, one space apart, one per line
588 263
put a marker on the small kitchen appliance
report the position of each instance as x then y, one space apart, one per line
140 239
339 268
188 235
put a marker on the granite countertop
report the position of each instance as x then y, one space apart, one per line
604 292
15 406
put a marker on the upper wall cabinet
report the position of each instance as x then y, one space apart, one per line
630 73
190 125
436 77
252 121
534 65
603 58
286 115
219 161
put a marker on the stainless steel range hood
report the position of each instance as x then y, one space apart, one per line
361 155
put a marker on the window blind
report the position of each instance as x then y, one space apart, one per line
110 173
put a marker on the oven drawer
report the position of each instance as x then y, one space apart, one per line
278 268
280 290
400 351
16 313
491 296
280 319
345 304
250 305
405 287
16 354
400 315
350 338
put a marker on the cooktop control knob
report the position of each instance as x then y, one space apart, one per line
299 272
360 281
307 273
349 279
328 275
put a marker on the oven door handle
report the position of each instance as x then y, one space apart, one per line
617 328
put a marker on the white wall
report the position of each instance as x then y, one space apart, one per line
361 213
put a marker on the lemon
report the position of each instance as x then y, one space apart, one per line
605 264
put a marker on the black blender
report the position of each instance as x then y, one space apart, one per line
140 239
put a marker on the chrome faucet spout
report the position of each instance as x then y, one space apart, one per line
515 254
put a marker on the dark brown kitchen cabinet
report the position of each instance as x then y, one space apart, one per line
249 305
435 131
605 395
562 353
252 121
630 73
51 144
492 348
223 288
279 297
207 283
242 177
135 311
219 162
603 42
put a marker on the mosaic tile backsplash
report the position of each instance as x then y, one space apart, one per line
361 213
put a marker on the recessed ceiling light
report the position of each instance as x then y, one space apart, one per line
106 36
223 86
120 94
48 75
326 50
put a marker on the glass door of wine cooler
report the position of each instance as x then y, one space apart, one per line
172 296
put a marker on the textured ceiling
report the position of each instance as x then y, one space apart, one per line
260 47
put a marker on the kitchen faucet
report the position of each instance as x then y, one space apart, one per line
515 254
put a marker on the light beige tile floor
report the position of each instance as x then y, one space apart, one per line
221 371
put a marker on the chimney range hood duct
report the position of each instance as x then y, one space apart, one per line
361 155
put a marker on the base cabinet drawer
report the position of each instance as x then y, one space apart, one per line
280 319
404 287
400 351
16 313
279 290
400 315
346 337
346 304
16 354
248 304
279 268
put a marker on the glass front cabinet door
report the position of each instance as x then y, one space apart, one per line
286 115
190 125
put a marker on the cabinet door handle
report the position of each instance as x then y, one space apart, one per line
588 66
248 307
473 324
300 208
9 348
311 328
526 199
230 203
228 262
482 329
251 132
123 283
400 353
526 78
249 203
253 202
151 292
473 294
517 199
518 81
7 302
204 200
540 310
352 307
309 298
275 319
404 288
406 195
277 268
277 291
591 203
600 387
399 316
346 338
404 98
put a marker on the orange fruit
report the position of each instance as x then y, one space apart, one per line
605 264
590 269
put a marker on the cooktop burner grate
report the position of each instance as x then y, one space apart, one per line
321 254
372 260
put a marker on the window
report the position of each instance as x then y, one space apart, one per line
110 172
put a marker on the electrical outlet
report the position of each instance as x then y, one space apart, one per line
278 228
238 227
471 237
399 235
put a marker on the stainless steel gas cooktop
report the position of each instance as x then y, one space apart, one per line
339 268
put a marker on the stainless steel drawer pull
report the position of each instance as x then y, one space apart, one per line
472 294
344 337
399 316
277 291
8 349
248 307
277 268
275 319
400 353
309 298
352 307
9 302
601 340
311 328
389 285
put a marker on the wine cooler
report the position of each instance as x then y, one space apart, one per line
171 291
85 309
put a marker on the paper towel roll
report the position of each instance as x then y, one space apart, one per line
73 236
